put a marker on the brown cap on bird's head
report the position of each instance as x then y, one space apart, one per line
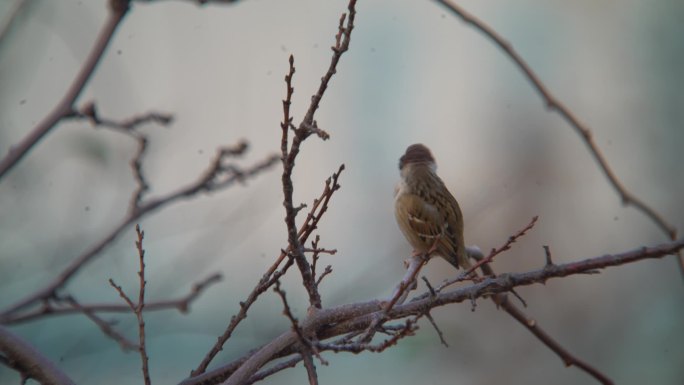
416 153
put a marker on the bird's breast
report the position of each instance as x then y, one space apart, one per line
400 188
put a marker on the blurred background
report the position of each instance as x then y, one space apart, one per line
414 73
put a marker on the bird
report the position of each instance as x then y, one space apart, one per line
427 213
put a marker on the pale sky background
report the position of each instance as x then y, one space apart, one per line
414 73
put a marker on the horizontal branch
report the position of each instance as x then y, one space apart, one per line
206 183
331 322
181 304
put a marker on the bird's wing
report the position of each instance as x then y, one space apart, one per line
427 228
423 218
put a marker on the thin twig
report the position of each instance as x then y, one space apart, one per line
568 358
118 9
398 296
483 261
408 329
289 155
307 127
341 46
210 181
506 246
105 327
137 309
10 17
437 329
429 316
141 304
268 279
288 313
547 253
128 127
58 308
310 367
307 347
89 112
407 283
317 251
275 369
340 320
141 182
552 103
501 301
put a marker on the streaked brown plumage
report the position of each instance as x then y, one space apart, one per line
425 210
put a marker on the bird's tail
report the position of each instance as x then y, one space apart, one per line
460 260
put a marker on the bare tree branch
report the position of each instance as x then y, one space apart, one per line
307 127
105 327
530 324
56 306
275 369
348 328
128 127
29 361
197 2
137 309
118 9
10 17
319 207
552 103
218 176
484 261
501 301
307 348
355 317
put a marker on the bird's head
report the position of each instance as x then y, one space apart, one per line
417 156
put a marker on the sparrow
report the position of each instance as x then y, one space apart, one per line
426 212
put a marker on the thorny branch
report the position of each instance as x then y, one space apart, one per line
554 104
